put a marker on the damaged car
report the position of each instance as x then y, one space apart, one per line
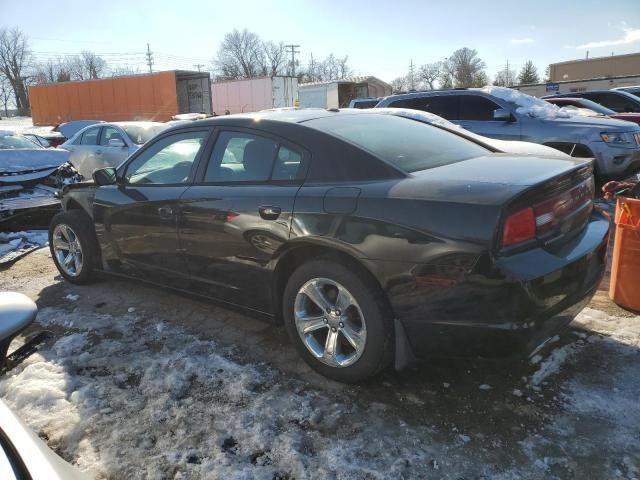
30 177
398 239
108 144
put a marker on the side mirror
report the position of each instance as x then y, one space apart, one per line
105 176
116 143
502 115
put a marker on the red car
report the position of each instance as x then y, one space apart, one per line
596 107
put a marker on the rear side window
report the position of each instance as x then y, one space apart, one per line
408 144
90 137
245 157
445 106
474 107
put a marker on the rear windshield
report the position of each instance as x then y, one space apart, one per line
139 134
408 144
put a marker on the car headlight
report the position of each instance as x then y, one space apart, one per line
616 138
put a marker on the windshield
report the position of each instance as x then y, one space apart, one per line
140 134
408 144
14 142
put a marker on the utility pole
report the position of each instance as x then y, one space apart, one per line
149 58
508 75
292 50
312 69
411 74
199 65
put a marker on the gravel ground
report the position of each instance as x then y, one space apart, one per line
140 382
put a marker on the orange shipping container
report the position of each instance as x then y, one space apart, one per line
153 96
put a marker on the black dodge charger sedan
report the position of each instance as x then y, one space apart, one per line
375 238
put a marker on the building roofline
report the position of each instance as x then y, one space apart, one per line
620 77
581 60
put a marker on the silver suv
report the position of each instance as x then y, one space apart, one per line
507 114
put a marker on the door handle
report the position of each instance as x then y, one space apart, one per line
269 212
98 152
165 212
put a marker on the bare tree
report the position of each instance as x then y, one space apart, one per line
5 94
447 74
467 67
400 84
275 57
240 56
429 73
52 71
344 71
505 77
14 61
94 65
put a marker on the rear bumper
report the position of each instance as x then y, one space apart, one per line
509 306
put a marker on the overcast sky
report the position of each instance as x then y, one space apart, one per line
381 38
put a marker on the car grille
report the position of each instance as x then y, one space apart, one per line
636 136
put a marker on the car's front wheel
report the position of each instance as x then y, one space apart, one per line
73 245
337 321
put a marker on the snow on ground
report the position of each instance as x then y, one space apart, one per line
15 241
125 397
22 125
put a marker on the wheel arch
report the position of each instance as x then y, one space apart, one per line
579 150
295 254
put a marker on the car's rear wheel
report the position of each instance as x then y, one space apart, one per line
337 321
73 246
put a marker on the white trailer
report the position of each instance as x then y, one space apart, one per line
338 93
254 94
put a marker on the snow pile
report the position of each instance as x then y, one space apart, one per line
15 241
528 105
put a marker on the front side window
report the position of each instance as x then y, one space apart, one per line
241 157
108 133
474 107
90 136
408 144
167 161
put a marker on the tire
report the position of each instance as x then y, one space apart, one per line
366 322
74 228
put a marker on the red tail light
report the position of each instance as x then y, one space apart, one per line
519 227
553 216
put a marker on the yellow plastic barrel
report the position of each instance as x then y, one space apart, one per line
624 288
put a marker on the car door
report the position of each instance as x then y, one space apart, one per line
475 113
83 151
136 219
113 156
234 219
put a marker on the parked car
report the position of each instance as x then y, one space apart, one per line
397 238
507 114
46 140
69 129
598 109
632 89
617 100
505 146
108 144
30 175
368 102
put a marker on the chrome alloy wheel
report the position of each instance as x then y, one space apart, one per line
67 249
330 322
